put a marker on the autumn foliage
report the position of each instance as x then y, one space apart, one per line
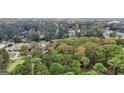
80 49
61 47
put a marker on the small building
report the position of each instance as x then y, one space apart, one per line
42 37
120 35
71 33
29 52
117 22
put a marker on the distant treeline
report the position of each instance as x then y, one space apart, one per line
31 29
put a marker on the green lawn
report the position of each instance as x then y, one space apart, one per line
13 65
12 54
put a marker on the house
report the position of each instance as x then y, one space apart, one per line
42 37
117 22
29 53
120 35
71 33
2 45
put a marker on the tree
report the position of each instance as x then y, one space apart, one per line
21 69
113 34
34 61
120 41
47 60
91 52
41 69
34 36
120 68
106 52
16 38
76 66
38 53
97 40
24 49
56 68
4 55
100 67
61 47
85 61
1 61
111 50
114 62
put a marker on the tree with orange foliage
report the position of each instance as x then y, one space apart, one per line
80 50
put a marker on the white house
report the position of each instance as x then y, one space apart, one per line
71 33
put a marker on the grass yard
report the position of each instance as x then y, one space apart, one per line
14 64
12 54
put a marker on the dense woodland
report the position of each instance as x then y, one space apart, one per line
86 53
31 29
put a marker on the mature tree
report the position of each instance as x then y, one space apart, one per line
24 49
91 51
33 62
38 53
100 67
76 67
34 36
106 52
98 40
120 41
113 34
16 38
47 60
120 68
21 69
60 48
111 50
114 62
4 55
85 61
56 68
1 61
41 69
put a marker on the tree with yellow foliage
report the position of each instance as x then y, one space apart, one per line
61 47
97 40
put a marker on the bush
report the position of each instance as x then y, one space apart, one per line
88 73
69 73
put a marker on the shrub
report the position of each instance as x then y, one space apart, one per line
88 73
69 73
